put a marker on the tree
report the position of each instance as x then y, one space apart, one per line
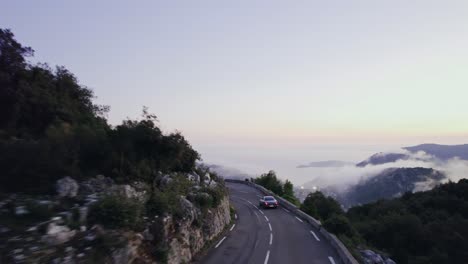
321 207
271 182
288 193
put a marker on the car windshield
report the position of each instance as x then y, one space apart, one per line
269 198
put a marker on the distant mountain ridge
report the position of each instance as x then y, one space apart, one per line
382 158
443 152
390 183
440 152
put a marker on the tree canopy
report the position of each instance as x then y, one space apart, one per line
50 128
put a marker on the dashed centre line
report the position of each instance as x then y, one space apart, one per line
269 225
232 227
300 220
219 243
268 256
271 238
332 261
316 237
261 212
268 220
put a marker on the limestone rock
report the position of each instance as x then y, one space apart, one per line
57 234
67 187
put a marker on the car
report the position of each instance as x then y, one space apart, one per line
268 202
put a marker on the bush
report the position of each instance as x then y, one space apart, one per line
116 212
204 200
321 207
217 194
339 225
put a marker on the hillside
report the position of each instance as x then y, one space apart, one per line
74 189
443 152
390 183
423 227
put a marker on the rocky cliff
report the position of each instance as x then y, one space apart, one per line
99 221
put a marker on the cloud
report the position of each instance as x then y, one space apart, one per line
343 177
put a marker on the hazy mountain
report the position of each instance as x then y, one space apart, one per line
440 152
443 152
325 164
392 182
381 158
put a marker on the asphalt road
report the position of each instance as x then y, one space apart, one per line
268 236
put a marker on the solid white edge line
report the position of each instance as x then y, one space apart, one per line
269 225
250 203
235 216
299 219
316 237
267 257
286 210
232 227
332 261
268 220
219 243
256 207
271 238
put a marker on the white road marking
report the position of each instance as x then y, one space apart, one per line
267 257
269 225
219 243
316 237
268 220
256 214
250 203
232 227
235 216
332 261
271 238
256 207
286 210
299 219
261 212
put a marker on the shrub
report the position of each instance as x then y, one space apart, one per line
116 212
339 225
204 200
217 194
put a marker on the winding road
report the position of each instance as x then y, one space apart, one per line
271 236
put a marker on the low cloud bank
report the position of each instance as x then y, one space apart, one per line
342 177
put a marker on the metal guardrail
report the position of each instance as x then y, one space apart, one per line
343 252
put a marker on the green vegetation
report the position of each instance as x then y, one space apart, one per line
272 183
116 212
423 227
49 128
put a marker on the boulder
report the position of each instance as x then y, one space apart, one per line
57 234
67 187
95 185
370 257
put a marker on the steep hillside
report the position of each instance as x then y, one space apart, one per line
443 152
390 183
74 189
423 227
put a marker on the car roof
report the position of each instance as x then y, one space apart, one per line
268 197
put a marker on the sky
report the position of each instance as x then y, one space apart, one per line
265 75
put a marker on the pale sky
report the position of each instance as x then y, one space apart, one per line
237 73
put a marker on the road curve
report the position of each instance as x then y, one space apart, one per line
272 236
